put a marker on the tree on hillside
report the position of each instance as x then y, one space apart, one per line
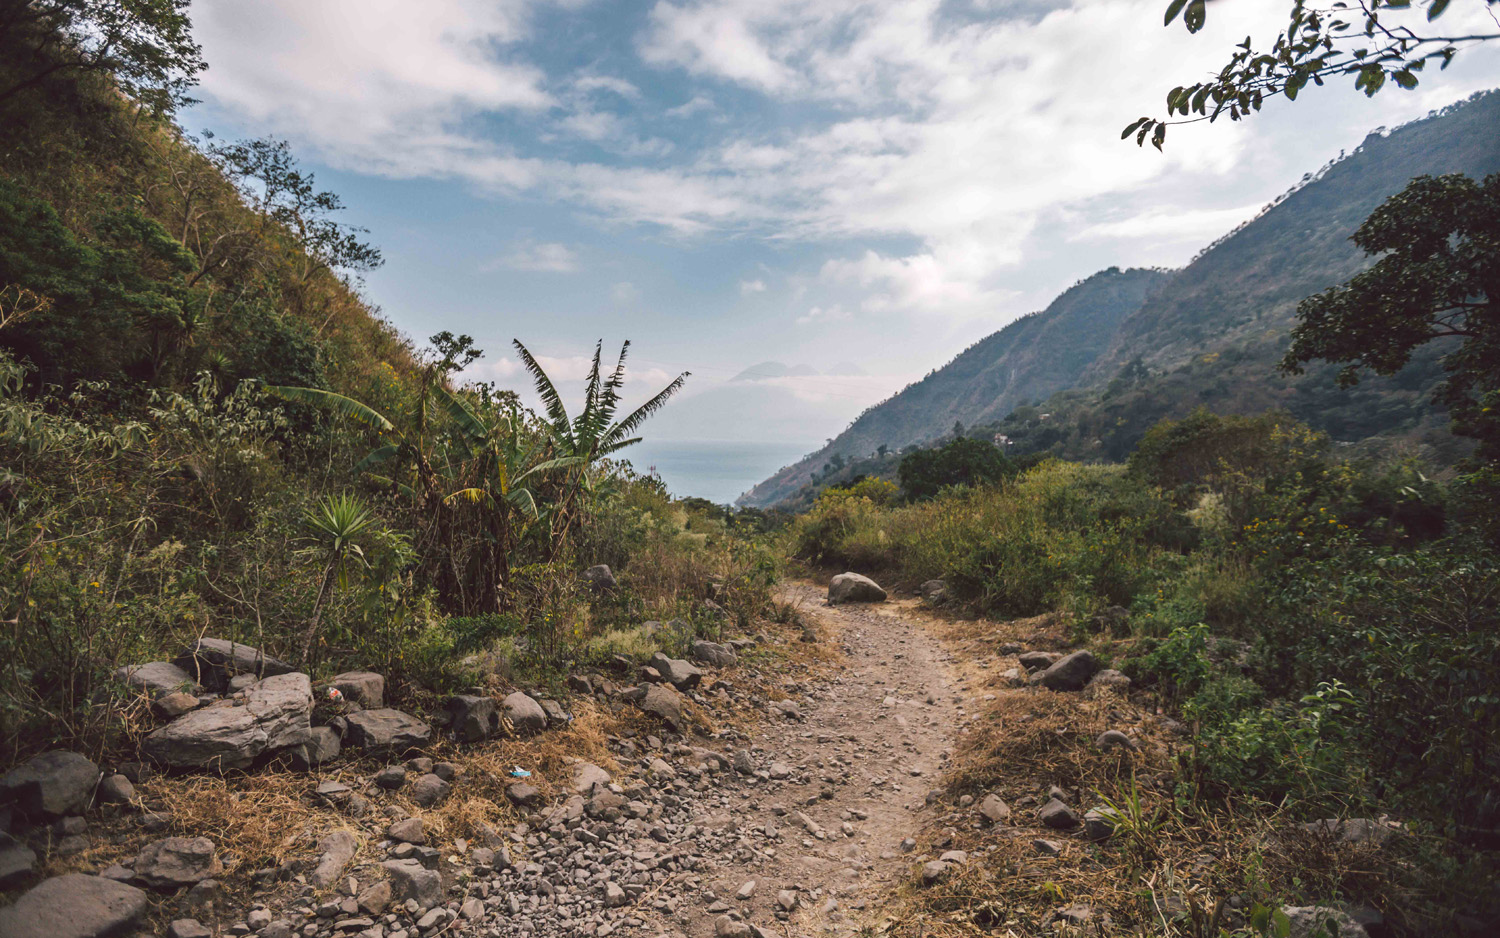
1373 42
147 45
963 461
1439 278
267 175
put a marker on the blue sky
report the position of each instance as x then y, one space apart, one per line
727 182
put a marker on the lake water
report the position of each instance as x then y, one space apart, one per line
716 470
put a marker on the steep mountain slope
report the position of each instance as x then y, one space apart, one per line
1250 282
1026 361
1209 335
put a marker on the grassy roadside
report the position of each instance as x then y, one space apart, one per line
1323 633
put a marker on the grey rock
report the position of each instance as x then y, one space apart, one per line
335 852
1037 660
933 870
600 578
524 794
934 591
1319 921
386 731
473 717
1108 680
429 790
994 809
391 777
525 714
614 896
158 678
1114 739
1058 816
1047 848
177 861
365 688
664 703
1071 672
410 880
373 899
115 789
74 906
556 715
726 927
408 831
173 705
240 682
1099 823
189 928
16 861
678 672
50 784
854 588
712 653
212 661
323 745
274 714
587 777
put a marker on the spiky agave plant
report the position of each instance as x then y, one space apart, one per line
336 522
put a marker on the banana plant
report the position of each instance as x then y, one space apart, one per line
594 433
500 469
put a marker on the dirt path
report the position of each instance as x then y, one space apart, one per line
845 785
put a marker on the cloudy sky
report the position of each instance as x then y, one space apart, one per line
728 182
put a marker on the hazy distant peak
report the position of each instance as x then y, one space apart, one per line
766 370
846 370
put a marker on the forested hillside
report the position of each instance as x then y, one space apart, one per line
156 255
1208 335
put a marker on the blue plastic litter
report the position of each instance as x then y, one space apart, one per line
519 772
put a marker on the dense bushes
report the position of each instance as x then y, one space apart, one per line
962 461
1331 629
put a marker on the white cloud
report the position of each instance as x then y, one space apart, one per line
368 72
611 83
820 314
931 147
1196 225
624 293
546 257
747 287
695 104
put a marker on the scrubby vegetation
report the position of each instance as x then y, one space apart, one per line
206 430
1329 629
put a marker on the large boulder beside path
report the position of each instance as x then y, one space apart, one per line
1070 672
213 661
661 701
854 588
720 656
386 731
679 673
157 678
51 784
526 716
74 906
177 861
268 715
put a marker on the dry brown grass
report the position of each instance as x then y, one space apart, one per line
1167 873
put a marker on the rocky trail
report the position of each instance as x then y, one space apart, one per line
790 786
826 825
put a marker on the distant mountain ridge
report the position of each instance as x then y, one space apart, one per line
1208 334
